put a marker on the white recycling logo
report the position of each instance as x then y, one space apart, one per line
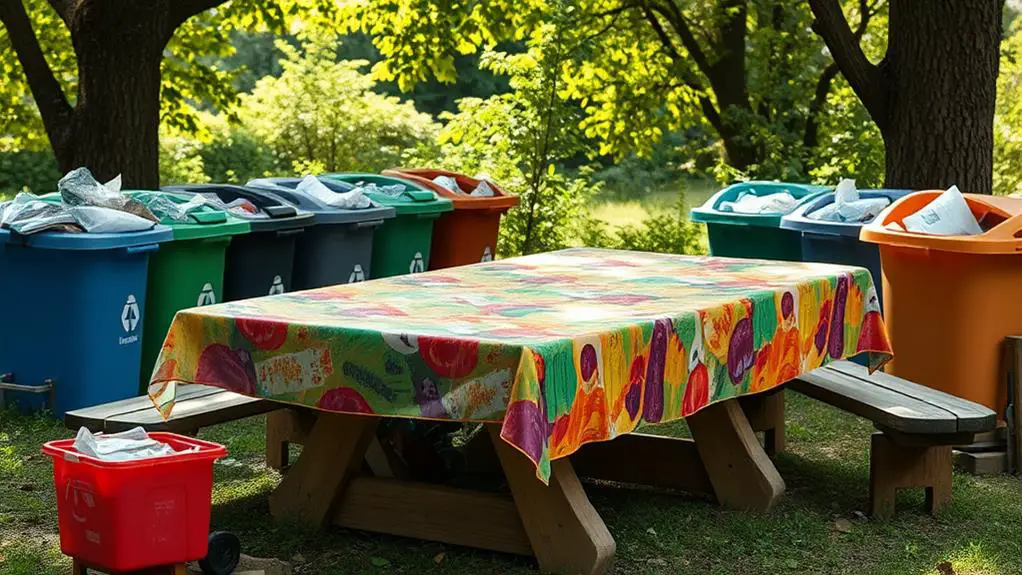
487 255
278 286
357 274
418 265
207 296
129 315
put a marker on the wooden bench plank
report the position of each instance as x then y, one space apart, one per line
95 417
194 413
876 403
972 417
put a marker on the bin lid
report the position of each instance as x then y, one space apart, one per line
414 200
284 188
999 216
710 211
501 200
203 222
281 215
88 242
799 219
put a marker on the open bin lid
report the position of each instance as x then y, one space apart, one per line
284 188
86 241
414 200
501 200
203 222
799 219
280 214
1000 216
710 212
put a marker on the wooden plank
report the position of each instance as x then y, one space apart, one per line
986 463
95 417
888 408
566 533
283 427
1013 351
765 412
194 413
434 513
742 475
331 456
927 439
651 460
971 416
892 467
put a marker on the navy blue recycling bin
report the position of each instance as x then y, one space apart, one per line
74 307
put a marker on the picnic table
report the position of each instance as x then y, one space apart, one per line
552 352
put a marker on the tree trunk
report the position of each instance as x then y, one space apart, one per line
941 70
115 125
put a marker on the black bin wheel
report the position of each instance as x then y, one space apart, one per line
223 554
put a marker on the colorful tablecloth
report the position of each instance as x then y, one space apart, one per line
564 348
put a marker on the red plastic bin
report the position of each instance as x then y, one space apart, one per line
129 515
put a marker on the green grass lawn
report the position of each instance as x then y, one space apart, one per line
620 212
817 528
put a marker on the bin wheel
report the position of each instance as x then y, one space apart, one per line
223 554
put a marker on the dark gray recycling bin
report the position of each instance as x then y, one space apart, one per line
259 263
339 248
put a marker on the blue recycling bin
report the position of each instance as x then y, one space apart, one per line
74 307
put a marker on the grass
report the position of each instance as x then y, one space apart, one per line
621 212
817 528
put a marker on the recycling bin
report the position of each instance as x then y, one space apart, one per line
186 272
402 244
339 248
949 301
259 263
757 236
468 234
838 242
74 309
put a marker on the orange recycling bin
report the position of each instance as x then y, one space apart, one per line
949 301
467 235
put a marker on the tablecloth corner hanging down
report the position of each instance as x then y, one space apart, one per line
564 348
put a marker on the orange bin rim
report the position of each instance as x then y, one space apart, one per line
1002 216
424 177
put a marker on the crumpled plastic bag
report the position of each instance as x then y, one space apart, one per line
168 210
79 188
239 207
100 220
749 203
449 183
130 445
483 190
948 215
392 190
354 199
27 214
848 207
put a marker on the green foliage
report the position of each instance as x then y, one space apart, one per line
234 154
667 232
31 171
1008 118
180 162
850 143
325 110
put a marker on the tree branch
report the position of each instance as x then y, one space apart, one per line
684 32
863 76
49 96
181 10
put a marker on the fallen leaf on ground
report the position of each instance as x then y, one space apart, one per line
439 557
843 525
945 568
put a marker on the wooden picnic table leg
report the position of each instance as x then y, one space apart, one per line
331 456
567 535
741 473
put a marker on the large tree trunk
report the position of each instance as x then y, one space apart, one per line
941 68
115 125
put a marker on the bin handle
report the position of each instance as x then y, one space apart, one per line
48 387
291 232
368 224
1007 229
135 250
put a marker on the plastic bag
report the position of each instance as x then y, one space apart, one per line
392 190
128 445
449 183
354 199
483 190
167 209
79 188
948 215
239 207
747 203
27 214
99 220
848 207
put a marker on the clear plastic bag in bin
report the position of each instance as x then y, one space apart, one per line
79 188
27 214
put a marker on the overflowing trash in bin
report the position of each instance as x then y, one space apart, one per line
750 203
130 445
849 206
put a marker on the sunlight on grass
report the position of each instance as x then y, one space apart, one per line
973 560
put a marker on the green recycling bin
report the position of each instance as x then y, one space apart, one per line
186 272
401 244
738 234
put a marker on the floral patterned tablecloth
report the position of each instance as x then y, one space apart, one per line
563 348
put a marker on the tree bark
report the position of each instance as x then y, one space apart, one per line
941 68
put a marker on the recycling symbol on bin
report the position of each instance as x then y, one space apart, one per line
357 275
278 286
129 315
417 264
207 296
487 255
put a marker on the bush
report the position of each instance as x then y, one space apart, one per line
30 171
